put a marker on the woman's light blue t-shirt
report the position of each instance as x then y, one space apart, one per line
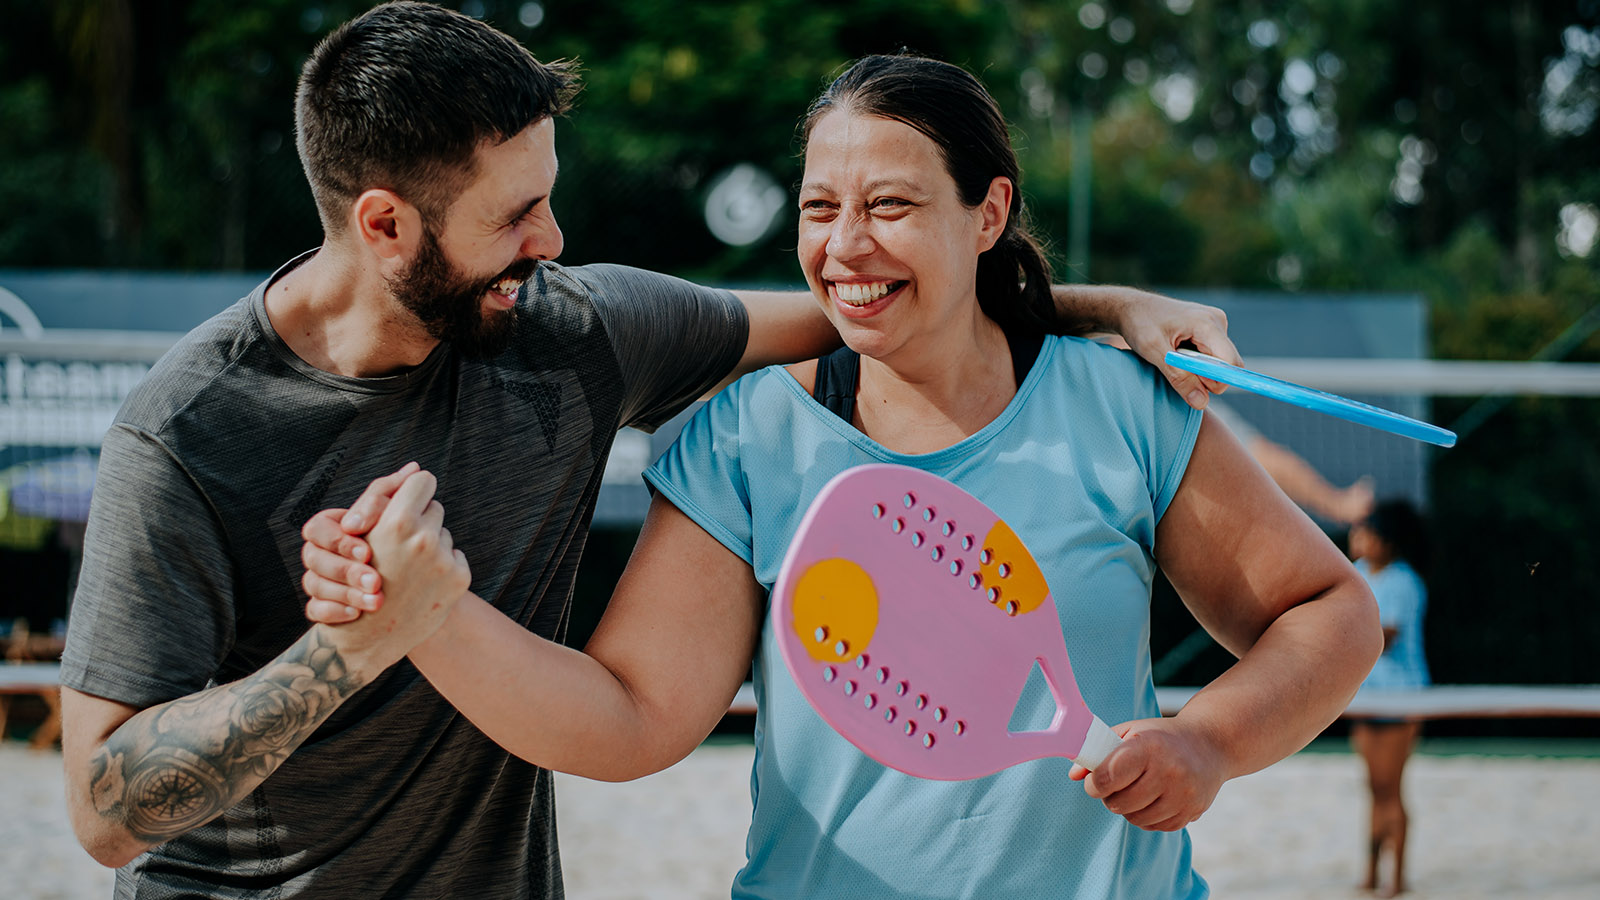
1402 603
1081 464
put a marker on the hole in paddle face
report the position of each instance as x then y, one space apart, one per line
1037 707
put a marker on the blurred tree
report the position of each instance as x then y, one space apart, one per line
97 37
675 94
51 181
1239 134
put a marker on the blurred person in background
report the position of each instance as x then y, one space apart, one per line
1389 548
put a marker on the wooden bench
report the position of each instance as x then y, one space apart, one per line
39 679
1451 701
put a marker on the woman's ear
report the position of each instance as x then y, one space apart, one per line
994 212
387 225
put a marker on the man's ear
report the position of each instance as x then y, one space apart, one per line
994 212
389 226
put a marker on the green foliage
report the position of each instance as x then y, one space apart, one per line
676 93
1279 168
49 188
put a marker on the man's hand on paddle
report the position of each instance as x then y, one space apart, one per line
342 578
1161 778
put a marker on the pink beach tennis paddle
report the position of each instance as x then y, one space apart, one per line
911 616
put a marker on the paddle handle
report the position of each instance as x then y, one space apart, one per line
1097 744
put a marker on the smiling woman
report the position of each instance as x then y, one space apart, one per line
912 241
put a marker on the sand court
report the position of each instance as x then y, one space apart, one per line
1482 827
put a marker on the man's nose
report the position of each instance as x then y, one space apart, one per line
546 242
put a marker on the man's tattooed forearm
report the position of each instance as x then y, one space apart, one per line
175 766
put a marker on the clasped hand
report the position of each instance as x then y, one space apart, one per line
397 527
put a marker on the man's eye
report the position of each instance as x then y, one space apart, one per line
888 203
531 215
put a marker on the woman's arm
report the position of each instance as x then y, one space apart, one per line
667 658
1273 590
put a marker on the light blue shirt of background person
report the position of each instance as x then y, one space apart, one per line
1402 602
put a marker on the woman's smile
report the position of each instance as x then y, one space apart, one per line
859 299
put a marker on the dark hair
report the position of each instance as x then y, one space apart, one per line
1398 524
953 109
402 96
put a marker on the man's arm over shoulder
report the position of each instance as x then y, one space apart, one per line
789 326
665 318
673 340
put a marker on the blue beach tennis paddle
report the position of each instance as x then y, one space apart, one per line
1309 398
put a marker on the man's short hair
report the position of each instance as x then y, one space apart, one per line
401 97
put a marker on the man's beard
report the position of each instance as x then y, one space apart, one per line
449 303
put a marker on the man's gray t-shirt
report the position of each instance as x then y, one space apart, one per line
192 566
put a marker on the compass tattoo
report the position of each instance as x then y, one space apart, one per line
178 765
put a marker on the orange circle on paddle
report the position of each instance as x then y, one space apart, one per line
835 610
1012 571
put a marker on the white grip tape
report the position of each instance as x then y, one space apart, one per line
1097 744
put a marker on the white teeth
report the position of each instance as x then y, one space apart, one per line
507 286
862 294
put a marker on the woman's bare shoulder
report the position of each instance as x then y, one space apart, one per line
804 372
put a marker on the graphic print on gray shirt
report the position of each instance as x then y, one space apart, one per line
192 566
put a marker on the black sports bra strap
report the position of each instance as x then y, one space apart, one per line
838 376
1024 353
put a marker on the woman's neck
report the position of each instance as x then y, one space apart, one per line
1376 563
933 395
